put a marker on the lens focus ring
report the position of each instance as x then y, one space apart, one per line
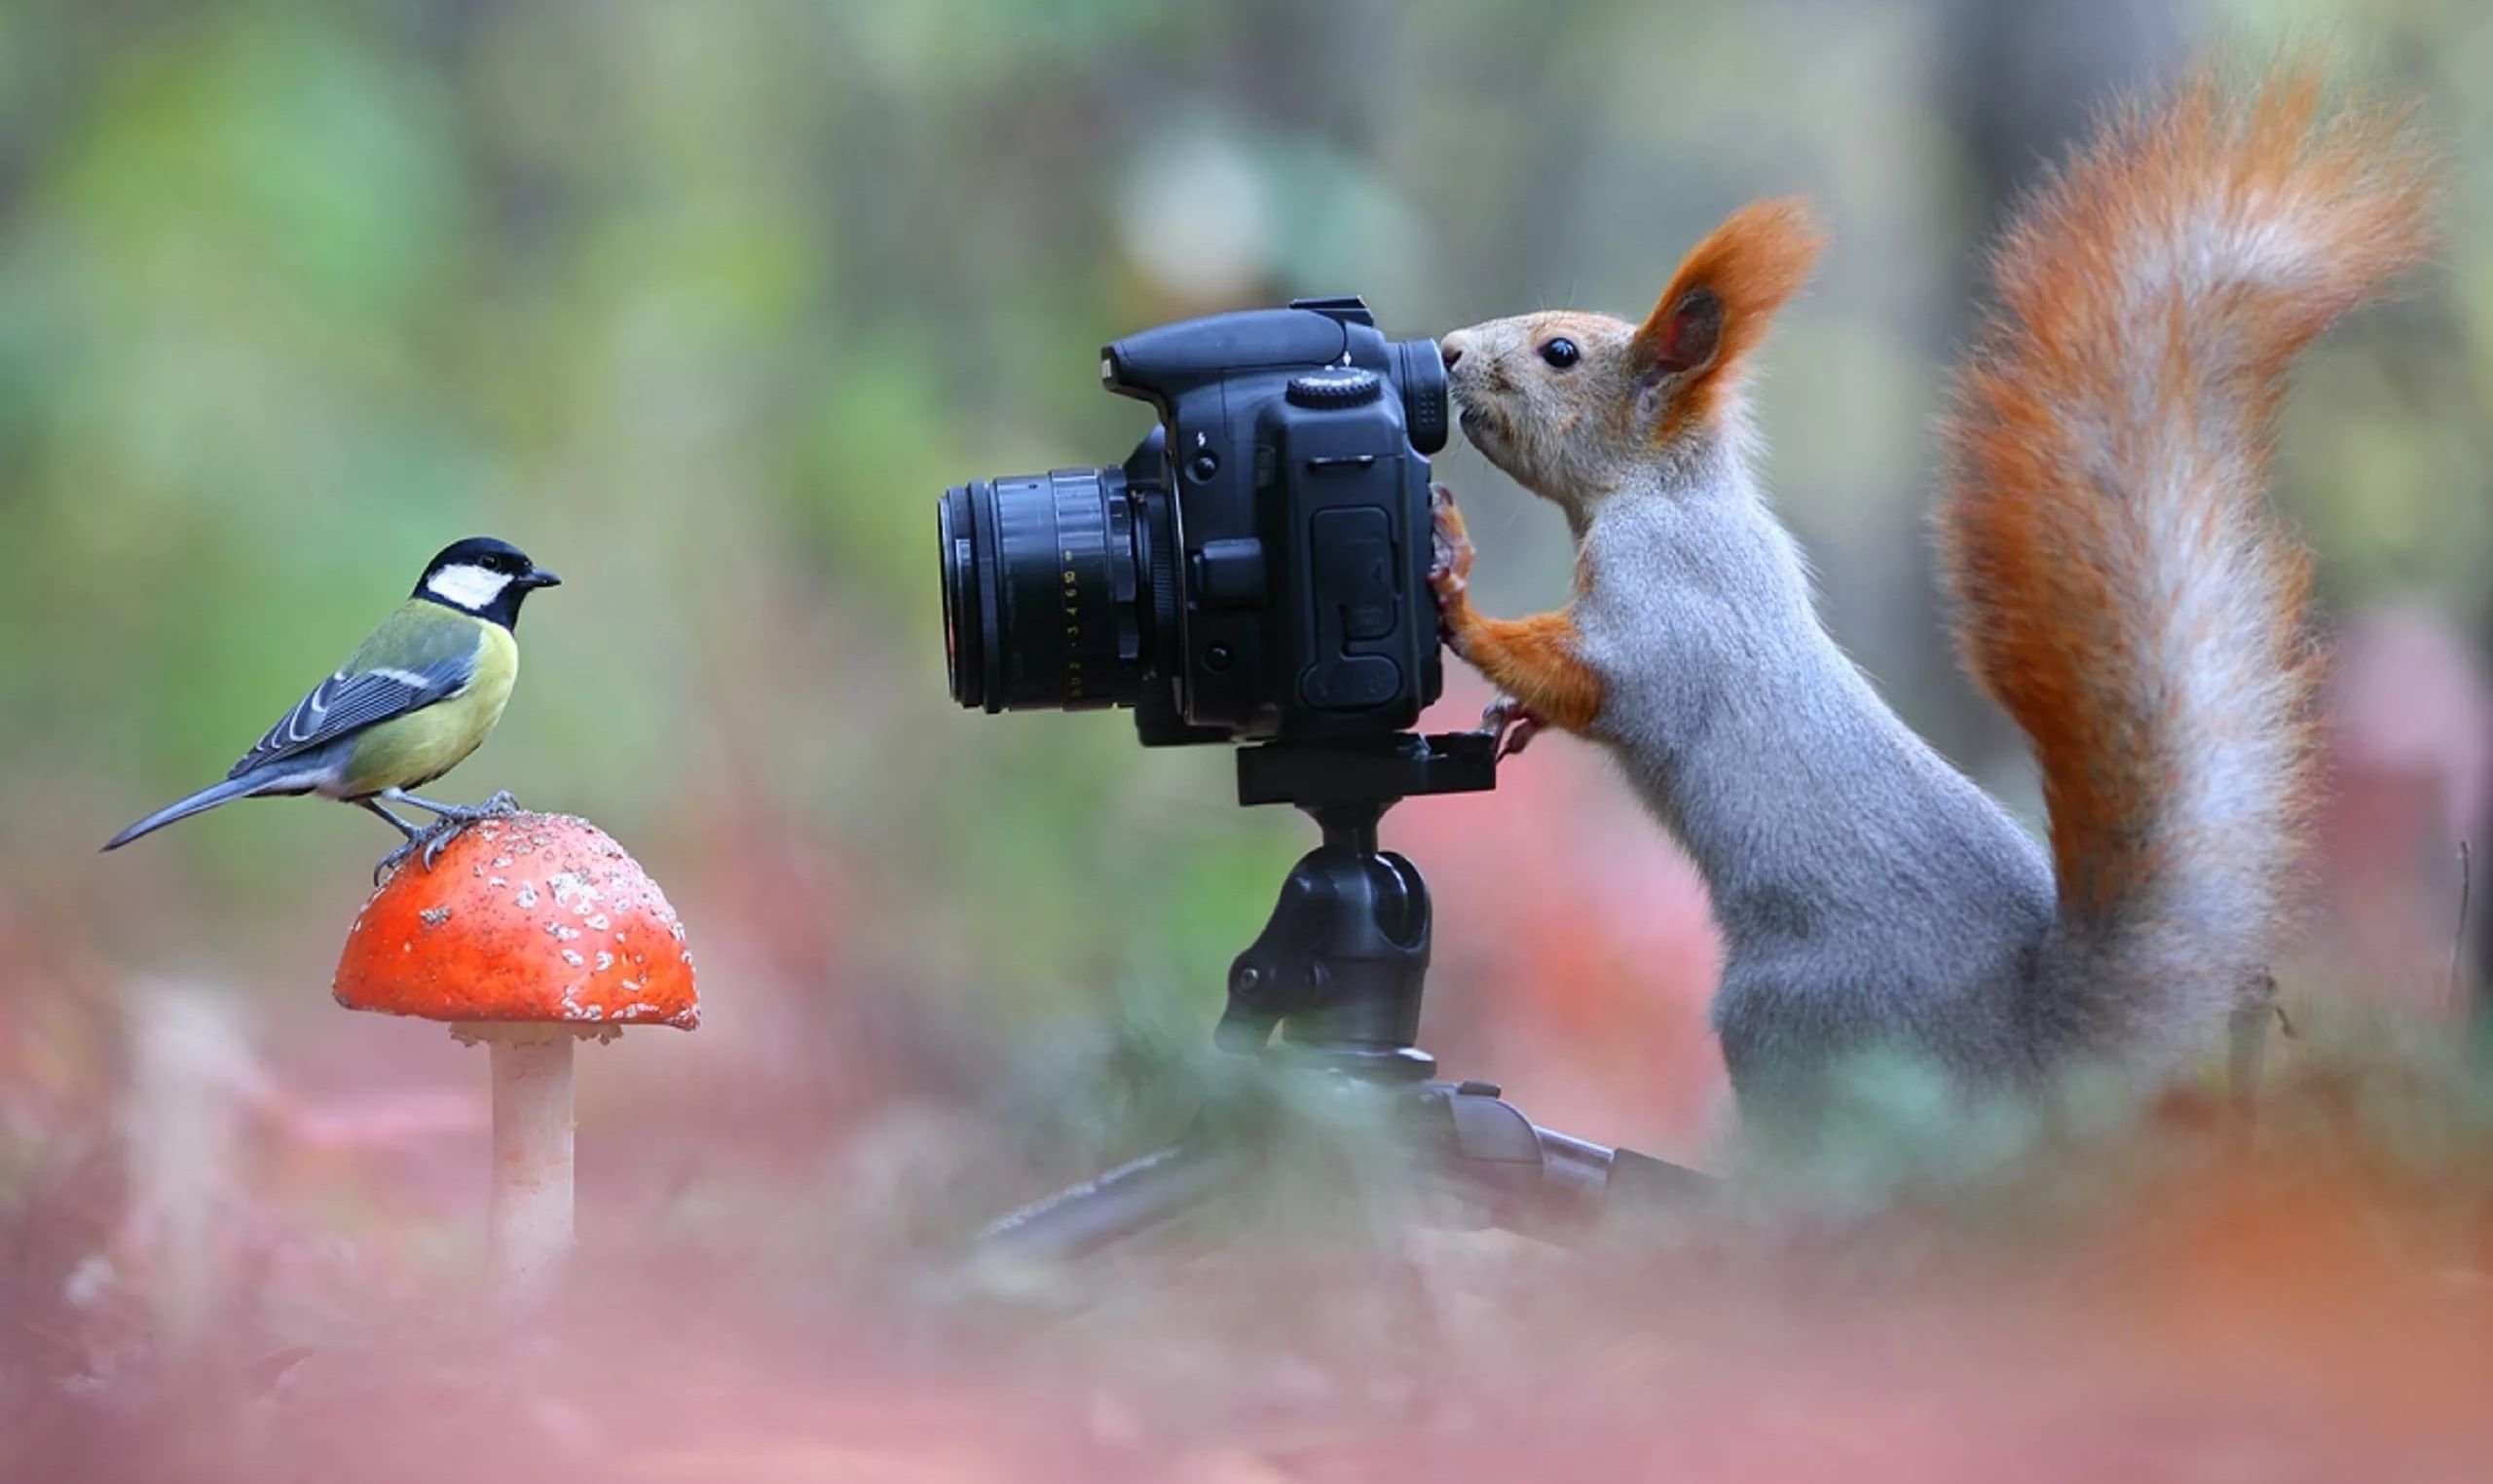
1044 591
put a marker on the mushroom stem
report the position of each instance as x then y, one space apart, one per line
532 1189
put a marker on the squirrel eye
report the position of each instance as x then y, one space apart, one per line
1560 353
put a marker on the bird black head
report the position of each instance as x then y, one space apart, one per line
483 577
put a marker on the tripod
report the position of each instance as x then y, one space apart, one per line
1338 971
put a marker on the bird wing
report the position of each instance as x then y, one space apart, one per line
421 655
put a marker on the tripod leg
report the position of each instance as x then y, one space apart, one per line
1541 1182
1126 1202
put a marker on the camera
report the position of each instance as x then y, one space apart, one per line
1256 569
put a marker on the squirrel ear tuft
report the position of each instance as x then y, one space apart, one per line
1726 290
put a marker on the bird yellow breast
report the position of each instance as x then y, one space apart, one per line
413 749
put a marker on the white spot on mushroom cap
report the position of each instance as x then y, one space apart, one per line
574 890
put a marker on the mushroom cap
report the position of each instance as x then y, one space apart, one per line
528 918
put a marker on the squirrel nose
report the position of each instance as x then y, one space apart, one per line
1449 351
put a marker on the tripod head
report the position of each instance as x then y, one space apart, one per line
1383 771
1342 962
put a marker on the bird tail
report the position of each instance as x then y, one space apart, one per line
2123 592
285 780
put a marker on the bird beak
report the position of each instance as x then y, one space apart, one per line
540 577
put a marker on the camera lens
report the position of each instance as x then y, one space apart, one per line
1048 590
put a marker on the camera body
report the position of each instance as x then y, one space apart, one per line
1257 570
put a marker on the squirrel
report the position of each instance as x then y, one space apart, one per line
2119 588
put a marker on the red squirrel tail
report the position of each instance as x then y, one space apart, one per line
2122 589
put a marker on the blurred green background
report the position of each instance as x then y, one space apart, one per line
702 305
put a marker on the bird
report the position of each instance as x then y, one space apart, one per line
409 705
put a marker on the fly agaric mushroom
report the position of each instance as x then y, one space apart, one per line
529 933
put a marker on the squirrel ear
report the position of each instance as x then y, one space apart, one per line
1685 338
1720 301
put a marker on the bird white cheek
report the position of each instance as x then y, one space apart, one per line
467 586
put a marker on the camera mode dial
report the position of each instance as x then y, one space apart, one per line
1335 387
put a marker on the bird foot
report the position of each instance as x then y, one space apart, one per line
501 806
433 839
387 865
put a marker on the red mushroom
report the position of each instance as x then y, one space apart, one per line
529 933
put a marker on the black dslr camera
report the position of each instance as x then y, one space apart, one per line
1256 571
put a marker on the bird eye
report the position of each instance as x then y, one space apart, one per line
1560 353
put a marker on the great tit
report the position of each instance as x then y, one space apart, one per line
414 700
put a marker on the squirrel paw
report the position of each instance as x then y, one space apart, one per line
1449 545
1513 723
1449 558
